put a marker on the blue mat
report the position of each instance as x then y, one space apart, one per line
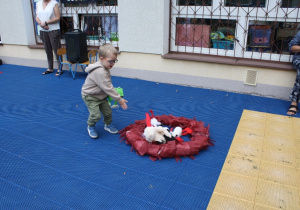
48 161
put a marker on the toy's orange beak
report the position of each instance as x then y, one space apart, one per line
148 120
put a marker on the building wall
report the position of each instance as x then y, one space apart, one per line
270 83
144 26
16 26
143 39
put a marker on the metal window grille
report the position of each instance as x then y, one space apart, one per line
253 29
98 18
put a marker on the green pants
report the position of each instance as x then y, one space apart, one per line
96 107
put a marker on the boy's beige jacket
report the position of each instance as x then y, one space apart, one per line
98 83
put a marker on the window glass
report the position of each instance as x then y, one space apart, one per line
98 18
107 2
290 3
194 2
246 3
101 27
207 33
66 24
271 36
76 3
263 36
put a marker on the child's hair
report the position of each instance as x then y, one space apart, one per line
106 49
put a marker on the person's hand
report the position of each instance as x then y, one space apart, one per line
123 104
43 24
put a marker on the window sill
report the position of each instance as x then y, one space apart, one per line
35 46
42 47
231 61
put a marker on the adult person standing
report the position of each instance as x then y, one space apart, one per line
294 47
48 17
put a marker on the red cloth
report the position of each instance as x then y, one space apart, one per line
168 150
141 147
199 138
183 149
153 150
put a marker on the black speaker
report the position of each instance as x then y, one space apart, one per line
76 46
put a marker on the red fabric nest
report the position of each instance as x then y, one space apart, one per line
199 138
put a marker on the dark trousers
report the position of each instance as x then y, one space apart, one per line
295 93
51 41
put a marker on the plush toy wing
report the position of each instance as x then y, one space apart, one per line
149 134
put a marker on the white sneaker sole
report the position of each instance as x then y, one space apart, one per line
94 137
110 130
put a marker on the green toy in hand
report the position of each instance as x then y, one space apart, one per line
115 104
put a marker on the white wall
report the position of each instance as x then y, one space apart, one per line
143 26
16 26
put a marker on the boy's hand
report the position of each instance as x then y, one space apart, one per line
123 104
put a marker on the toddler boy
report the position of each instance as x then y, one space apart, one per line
97 87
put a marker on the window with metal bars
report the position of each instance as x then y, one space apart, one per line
246 3
98 18
254 29
103 28
86 2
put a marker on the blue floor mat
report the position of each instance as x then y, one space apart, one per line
48 161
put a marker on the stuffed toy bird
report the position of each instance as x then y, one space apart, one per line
176 133
157 133
154 122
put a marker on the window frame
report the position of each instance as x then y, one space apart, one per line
77 11
243 16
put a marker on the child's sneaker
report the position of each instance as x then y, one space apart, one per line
92 132
111 128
